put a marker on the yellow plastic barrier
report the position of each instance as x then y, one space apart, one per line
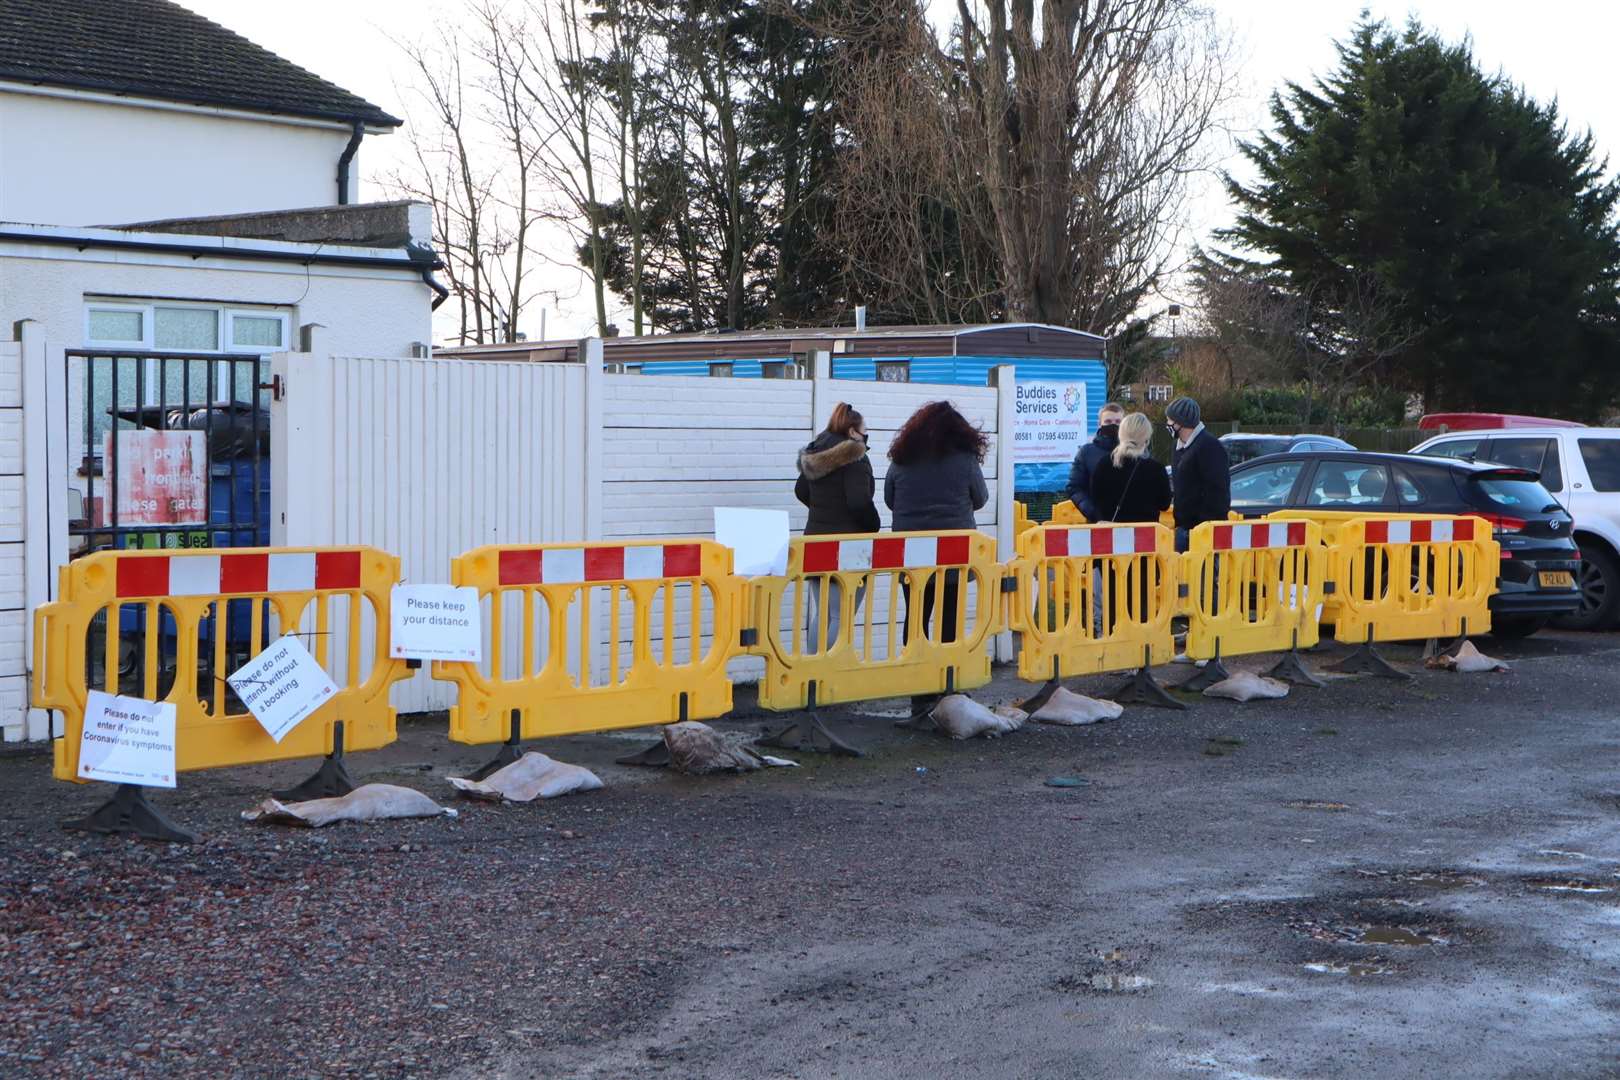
1253 587
888 644
1411 608
1021 522
1093 598
553 608
171 625
1066 513
1408 577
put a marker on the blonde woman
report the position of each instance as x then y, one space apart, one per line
1129 485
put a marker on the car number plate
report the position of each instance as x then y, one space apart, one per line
1557 579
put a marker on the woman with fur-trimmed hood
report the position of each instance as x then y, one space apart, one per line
836 483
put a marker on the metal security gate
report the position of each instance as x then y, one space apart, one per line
167 450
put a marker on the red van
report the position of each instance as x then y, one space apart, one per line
1486 421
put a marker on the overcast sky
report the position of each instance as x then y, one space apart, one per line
1554 48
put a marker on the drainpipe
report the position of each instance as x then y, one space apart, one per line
441 293
359 133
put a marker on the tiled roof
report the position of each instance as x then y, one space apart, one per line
158 49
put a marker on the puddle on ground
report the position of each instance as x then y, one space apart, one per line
1430 879
1559 853
1569 885
1316 804
1395 935
1355 971
1343 933
1117 984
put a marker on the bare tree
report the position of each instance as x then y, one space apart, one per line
1068 131
1358 331
550 49
633 54
1333 340
451 178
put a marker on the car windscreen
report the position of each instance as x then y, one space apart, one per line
1513 493
1241 450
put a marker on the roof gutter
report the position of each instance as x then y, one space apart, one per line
358 133
424 265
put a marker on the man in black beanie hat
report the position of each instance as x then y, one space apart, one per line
1199 471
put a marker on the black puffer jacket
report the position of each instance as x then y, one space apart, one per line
1081 473
938 493
836 483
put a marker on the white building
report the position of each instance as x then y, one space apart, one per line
175 203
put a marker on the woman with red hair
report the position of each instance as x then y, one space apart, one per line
935 482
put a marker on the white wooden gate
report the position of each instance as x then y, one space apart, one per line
427 459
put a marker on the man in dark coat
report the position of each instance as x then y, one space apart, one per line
1200 472
1091 454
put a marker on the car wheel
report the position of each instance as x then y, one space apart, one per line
1599 581
1520 626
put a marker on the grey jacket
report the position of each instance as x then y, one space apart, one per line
938 494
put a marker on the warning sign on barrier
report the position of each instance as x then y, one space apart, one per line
281 686
436 622
127 740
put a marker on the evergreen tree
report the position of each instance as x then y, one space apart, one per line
1480 217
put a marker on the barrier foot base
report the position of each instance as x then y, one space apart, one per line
1142 689
654 756
1211 673
331 780
1291 670
922 713
506 755
1038 700
128 811
1366 661
808 733
511 750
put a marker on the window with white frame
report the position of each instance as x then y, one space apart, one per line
234 334
163 326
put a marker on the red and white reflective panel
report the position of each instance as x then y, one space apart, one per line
1101 540
1420 531
585 565
885 553
1248 537
228 574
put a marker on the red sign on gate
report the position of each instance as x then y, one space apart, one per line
161 477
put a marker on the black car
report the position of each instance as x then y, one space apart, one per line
1244 446
1540 561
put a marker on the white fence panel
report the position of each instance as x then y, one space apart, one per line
427 459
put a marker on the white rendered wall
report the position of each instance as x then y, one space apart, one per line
79 162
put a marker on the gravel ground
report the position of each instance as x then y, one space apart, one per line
1409 879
